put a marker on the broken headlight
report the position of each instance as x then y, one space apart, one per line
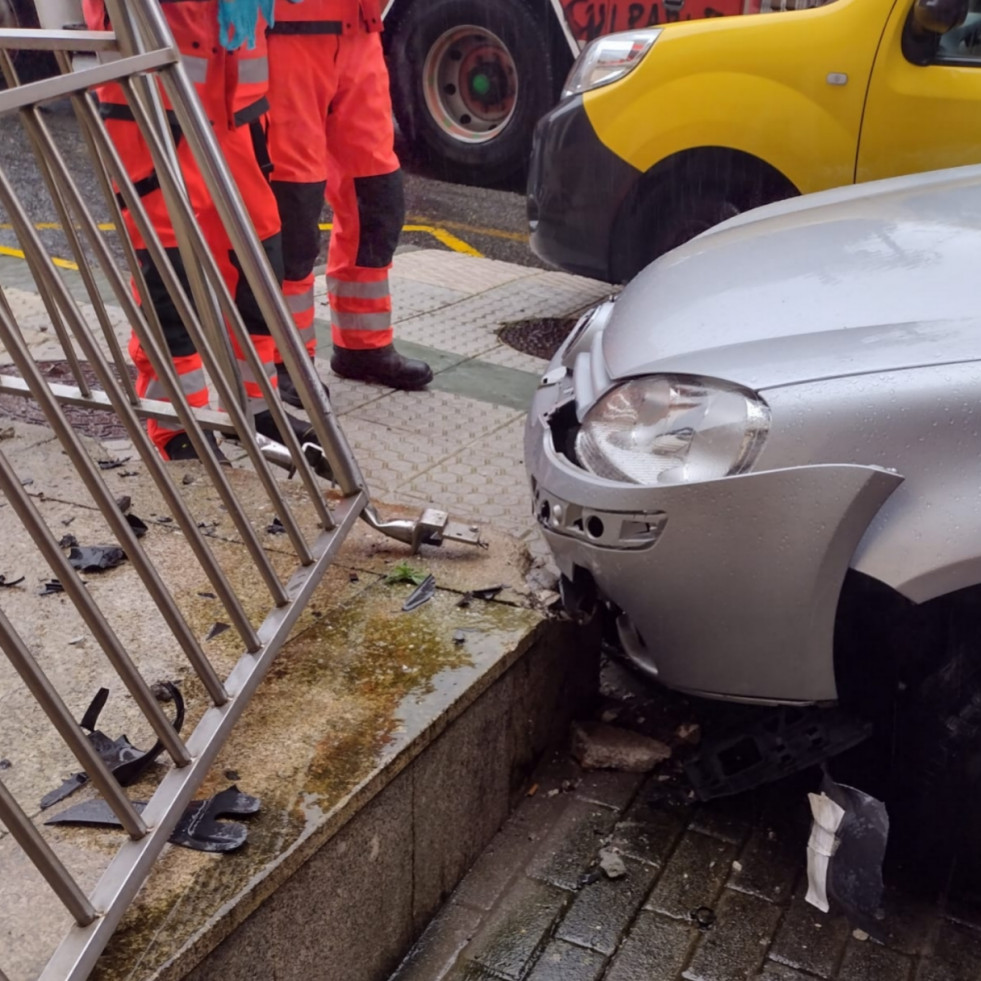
669 429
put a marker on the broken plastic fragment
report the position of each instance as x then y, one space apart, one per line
198 828
68 541
784 741
13 582
122 758
112 464
96 558
853 876
276 527
487 593
217 628
50 587
821 847
421 594
137 524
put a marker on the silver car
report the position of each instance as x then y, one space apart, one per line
787 403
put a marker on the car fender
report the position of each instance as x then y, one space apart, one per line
731 585
764 85
821 153
920 421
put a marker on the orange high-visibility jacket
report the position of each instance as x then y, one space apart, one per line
328 16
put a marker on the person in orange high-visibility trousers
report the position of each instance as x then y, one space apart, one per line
232 87
331 132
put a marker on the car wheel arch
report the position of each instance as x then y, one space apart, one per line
750 180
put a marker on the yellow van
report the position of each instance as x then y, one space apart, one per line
663 132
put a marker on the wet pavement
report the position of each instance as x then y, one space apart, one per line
712 892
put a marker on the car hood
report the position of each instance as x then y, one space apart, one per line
869 278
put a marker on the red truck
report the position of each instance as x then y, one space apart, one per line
470 78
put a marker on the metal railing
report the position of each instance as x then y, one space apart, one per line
141 56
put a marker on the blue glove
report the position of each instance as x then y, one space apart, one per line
237 20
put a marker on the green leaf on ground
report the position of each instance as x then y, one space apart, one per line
403 572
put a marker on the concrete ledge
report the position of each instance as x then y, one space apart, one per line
386 754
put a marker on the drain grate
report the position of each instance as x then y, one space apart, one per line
96 423
538 336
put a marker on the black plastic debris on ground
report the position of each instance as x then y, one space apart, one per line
781 742
96 558
199 827
487 593
275 527
68 541
111 464
50 587
137 524
854 875
217 628
6 584
423 593
123 760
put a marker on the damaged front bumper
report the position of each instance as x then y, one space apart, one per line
723 588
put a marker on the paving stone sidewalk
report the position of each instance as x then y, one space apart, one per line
713 892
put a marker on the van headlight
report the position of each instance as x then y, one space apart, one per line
669 429
608 58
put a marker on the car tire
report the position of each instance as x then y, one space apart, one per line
478 133
938 740
915 673
668 216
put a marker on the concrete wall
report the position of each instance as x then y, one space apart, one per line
351 912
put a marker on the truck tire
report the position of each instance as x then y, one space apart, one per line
30 65
469 81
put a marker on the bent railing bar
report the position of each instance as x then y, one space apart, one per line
197 131
89 473
61 718
57 322
78 952
59 185
188 230
60 86
150 334
86 606
93 481
148 453
44 859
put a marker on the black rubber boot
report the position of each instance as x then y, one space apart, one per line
287 390
382 365
265 425
180 447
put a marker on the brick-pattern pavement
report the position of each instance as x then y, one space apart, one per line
533 909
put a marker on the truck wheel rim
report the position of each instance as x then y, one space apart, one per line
470 84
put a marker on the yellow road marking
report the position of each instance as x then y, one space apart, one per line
440 234
18 254
480 230
437 232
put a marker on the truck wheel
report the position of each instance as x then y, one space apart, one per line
470 79
30 65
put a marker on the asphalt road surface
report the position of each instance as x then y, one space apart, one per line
486 222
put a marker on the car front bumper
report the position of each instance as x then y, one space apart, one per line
725 588
576 188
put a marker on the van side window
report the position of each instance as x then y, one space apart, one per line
962 45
